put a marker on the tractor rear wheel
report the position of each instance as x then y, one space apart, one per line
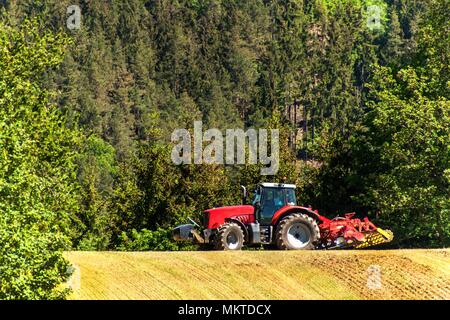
297 232
229 237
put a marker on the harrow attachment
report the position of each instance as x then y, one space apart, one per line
375 238
349 232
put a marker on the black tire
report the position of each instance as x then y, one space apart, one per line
297 232
229 237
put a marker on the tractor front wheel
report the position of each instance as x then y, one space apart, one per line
297 232
229 237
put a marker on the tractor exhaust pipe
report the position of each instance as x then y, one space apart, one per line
244 195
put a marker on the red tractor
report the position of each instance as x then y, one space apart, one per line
275 218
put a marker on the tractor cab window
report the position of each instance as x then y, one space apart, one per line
278 199
290 197
257 197
272 200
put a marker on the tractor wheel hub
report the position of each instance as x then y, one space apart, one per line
298 235
232 241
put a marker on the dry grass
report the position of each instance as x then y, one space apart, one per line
405 274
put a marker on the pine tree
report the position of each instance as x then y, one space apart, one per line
394 48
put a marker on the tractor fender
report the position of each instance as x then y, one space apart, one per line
240 224
288 210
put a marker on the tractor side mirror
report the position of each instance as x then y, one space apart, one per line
244 195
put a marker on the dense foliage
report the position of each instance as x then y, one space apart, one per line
85 152
395 163
38 189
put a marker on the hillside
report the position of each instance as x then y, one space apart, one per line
405 274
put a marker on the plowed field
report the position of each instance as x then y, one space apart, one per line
350 274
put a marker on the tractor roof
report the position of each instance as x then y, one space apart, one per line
277 185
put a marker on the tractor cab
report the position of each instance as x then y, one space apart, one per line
269 198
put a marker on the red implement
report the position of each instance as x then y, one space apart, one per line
351 232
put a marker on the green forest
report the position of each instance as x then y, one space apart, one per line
86 116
